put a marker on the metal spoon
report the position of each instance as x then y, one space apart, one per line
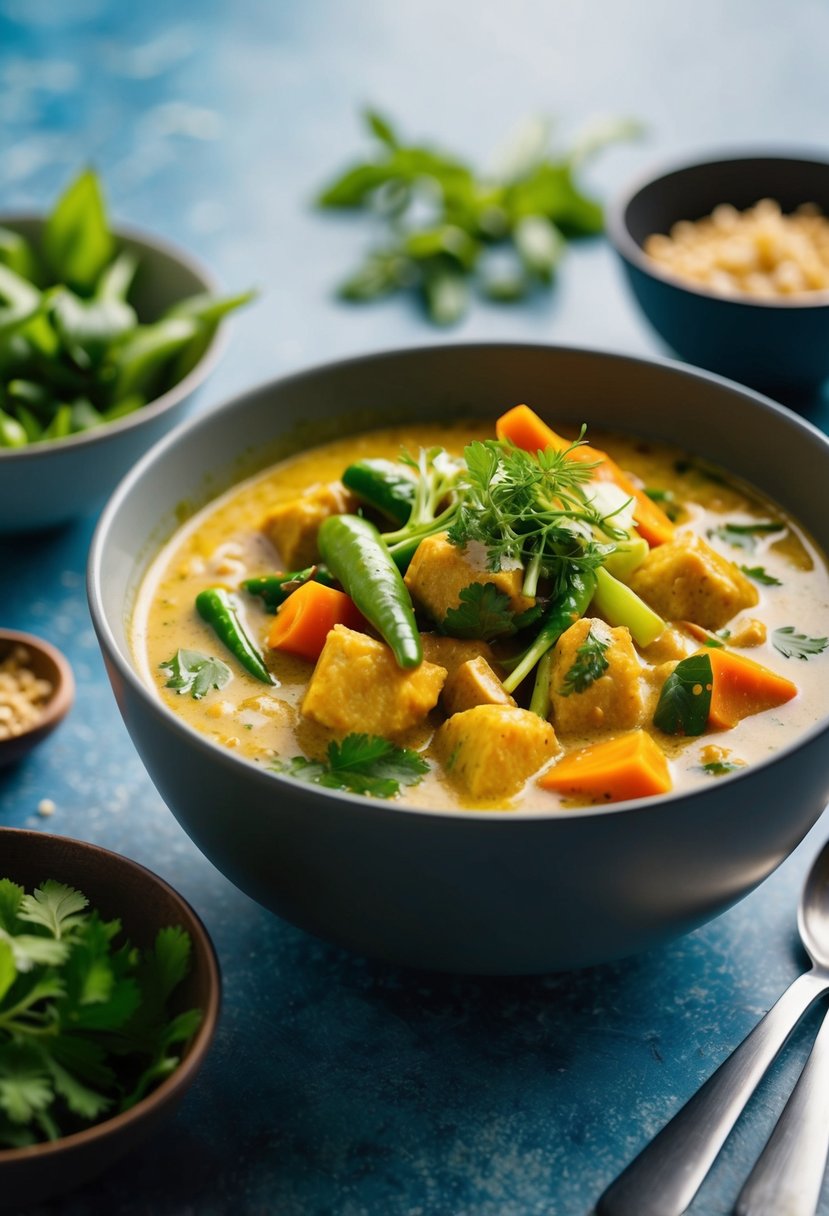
788 1176
669 1171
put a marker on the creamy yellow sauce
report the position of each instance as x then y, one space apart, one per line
223 544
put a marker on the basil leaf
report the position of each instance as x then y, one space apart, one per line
685 699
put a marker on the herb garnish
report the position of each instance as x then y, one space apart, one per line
761 575
685 699
742 536
364 764
196 673
483 612
446 227
793 645
719 768
589 666
666 499
84 1027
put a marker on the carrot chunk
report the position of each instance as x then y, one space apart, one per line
743 687
308 615
631 766
526 430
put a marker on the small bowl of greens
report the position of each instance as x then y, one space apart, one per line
105 336
109 998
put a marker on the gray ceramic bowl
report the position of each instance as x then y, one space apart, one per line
117 887
779 346
48 483
498 892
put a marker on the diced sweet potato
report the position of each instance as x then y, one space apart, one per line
439 571
358 686
632 766
292 527
452 652
614 701
473 683
491 750
742 688
688 580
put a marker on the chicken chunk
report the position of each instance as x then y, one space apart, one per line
688 580
473 683
358 686
292 527
491 750
439 571
452 652
749 632
614 700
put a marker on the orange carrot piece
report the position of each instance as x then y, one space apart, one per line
526 430
308 615
743 687
631 766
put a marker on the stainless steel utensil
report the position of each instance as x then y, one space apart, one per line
667 1174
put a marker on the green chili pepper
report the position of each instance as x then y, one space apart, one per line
274 589
355 554
383 484
220 610
561 614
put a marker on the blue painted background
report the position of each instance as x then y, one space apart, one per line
337 1085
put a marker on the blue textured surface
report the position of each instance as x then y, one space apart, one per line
337 1085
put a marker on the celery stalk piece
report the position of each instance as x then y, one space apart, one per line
627 557
621 606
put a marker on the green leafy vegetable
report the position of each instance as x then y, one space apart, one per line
761 575
743 536
719 768
442 222
196 673
84 1025
685 698
590 665
793 645
364 764
73 352
483 612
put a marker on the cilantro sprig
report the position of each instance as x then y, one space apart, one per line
590 665
363 764
794 645
84 1026
196 673
744 536
761 575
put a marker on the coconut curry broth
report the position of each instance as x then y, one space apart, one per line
224 544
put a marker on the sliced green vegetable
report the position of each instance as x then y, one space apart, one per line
685 699
219 609
565 610
386 485
621 606
274 589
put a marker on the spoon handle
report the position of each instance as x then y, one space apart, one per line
669 1171
789 1172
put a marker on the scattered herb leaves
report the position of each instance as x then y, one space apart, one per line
685 698
793 645
743 536
719 768
364 764
483 612
590 665
667 500
196 673
760 575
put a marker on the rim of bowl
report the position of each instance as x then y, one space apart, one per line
628 248
63 695
192 1062
176 392
126 670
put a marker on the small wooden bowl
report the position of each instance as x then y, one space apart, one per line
145 903
47 662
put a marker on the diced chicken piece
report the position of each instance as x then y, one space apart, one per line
439 571
358 686
673 643
292 527
750 632
614 701
452 652
688 580
473 683
491 750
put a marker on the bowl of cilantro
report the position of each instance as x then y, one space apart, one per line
121 971
105 337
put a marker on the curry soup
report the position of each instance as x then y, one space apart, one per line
667 662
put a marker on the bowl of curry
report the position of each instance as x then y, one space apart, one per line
495 659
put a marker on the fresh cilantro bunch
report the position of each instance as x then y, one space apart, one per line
85 1030
445 227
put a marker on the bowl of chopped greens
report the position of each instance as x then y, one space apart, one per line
109 998
105 337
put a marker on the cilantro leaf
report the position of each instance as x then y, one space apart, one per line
793 645
364 764
761 575
719 768
190 671
589 666
56 907
24 1083
685 698
10 898
8 970
483 612
742 536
